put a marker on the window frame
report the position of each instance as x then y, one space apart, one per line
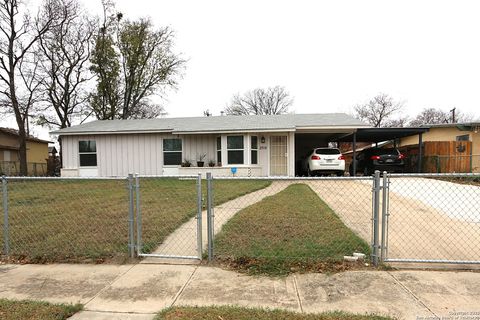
461 138
218 148
252 150
80 153
172 151
242 150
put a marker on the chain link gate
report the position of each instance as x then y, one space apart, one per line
163 203
431 218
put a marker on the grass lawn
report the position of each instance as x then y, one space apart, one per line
237 313
293 230
33 310
87 220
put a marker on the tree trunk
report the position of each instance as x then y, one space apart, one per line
22 139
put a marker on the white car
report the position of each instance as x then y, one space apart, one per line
324 160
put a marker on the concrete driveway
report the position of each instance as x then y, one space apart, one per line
429 219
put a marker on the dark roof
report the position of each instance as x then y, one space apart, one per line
14 132
287 122
382 134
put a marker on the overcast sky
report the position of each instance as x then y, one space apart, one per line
330 55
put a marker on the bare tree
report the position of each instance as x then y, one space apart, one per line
379 110
17 37
259 101
65 51
430 116
436 116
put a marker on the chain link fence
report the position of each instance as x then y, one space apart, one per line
259 224
294 224
433 218
64 220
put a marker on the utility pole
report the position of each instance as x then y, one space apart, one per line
453 114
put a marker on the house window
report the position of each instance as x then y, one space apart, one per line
172 152
87 151
464 137
254 150
235 149
219 150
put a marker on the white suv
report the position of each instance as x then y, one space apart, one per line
324 160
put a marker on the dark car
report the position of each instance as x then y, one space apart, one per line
369 160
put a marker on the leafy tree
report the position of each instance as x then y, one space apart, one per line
105 101
379 111
260 101
133 62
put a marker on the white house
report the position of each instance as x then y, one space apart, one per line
266 145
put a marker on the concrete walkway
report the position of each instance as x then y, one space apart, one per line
139 291
183 241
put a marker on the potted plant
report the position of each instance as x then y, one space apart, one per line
200 161
211 163
186 163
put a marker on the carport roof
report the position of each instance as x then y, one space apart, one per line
252 123
382 134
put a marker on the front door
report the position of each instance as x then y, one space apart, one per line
278 156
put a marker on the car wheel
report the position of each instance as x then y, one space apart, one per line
366 172
340 173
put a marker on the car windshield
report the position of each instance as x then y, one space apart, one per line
327 151
384 151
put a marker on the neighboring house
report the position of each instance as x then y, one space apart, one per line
247 145
448 147
37 153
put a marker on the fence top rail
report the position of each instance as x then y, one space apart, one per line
61 178
367 178
167 176
434 175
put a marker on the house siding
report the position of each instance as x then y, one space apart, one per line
121 154
449 134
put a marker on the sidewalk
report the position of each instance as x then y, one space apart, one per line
139 291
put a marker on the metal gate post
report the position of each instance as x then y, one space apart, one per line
139 215
376 209
199 216
6 241
383 245
131 246
209 217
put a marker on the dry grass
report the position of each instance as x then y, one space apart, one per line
237 313
87 220
293 230
34 310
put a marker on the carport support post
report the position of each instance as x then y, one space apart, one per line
139 215
131 247
199 216
209 217
376 209
6 242
420 152
354 155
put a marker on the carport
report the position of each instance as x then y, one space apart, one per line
306 140
376 135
